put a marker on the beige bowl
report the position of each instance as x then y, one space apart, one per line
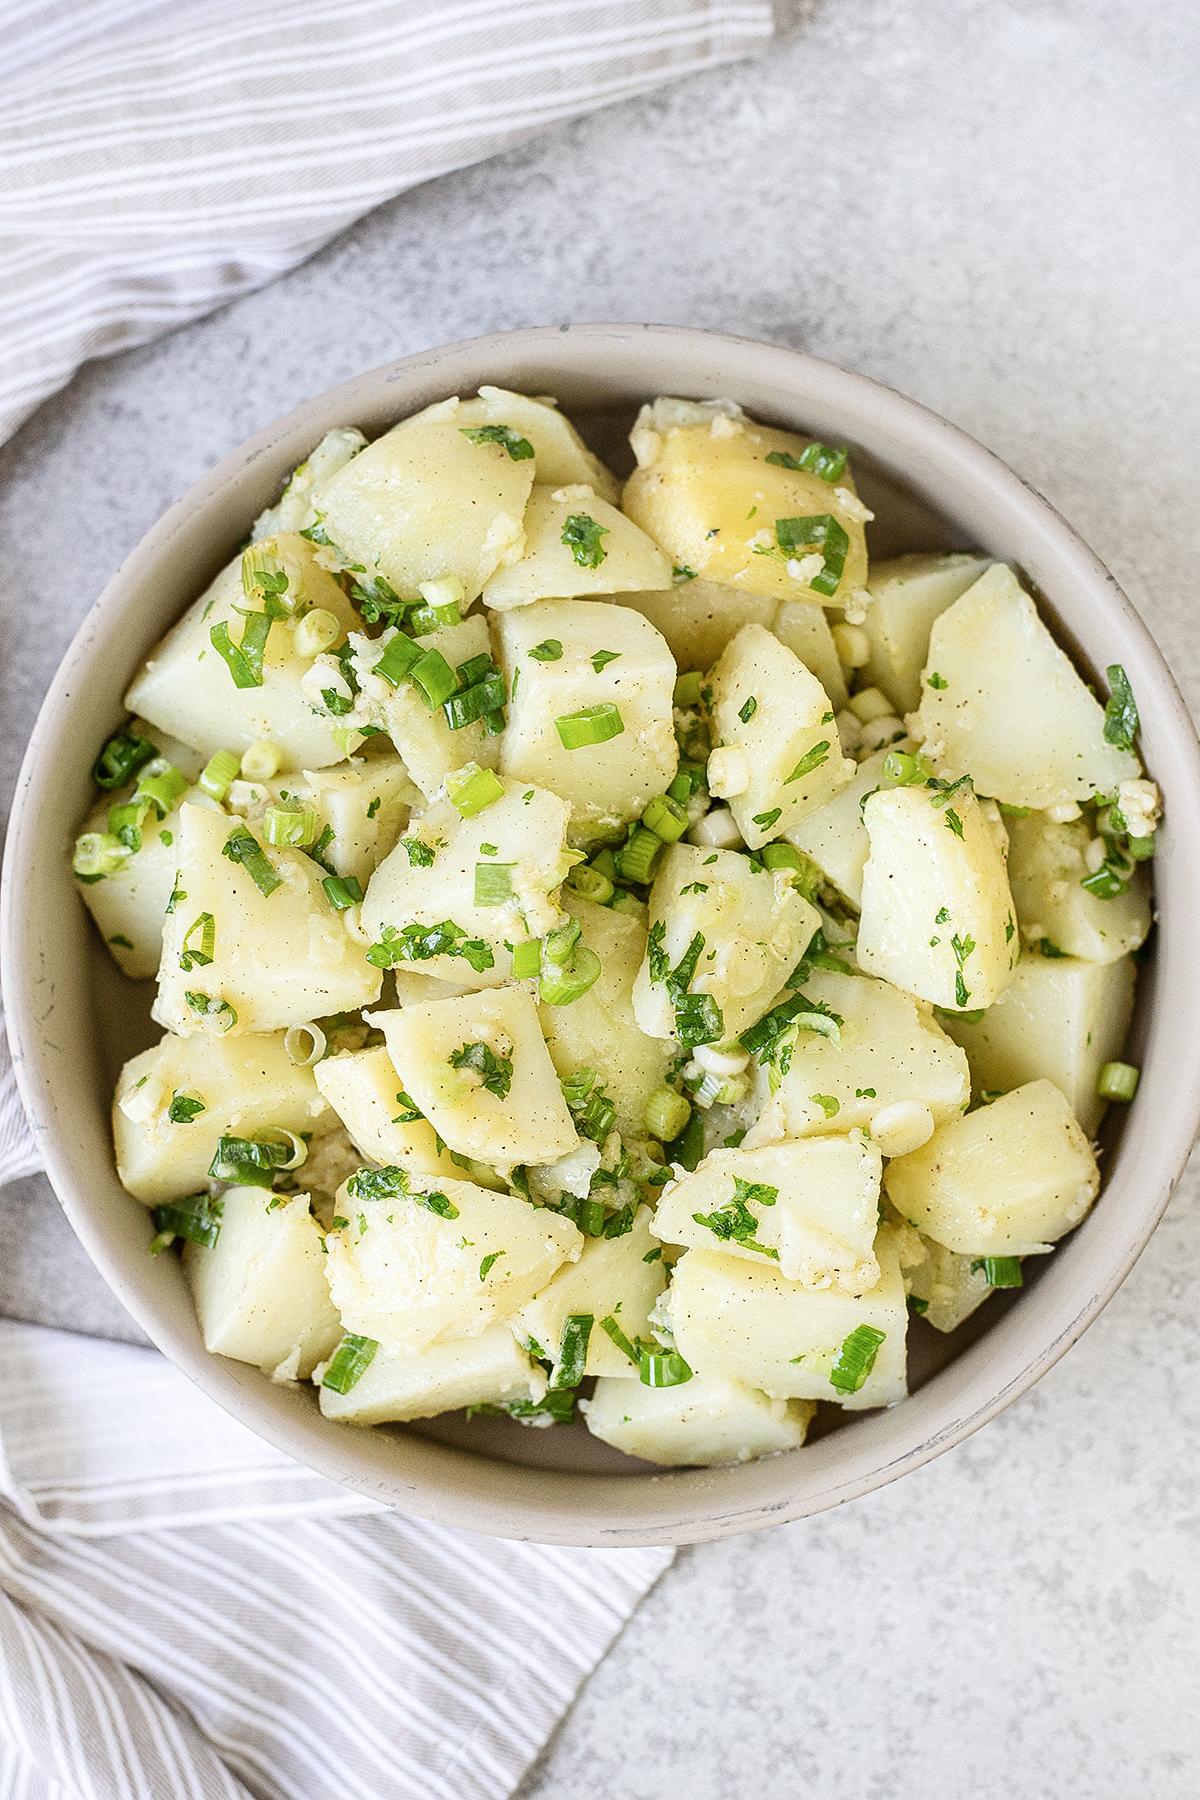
72 1019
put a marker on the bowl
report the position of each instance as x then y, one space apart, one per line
73 1019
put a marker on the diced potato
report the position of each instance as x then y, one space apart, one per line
818 1230
706 1422
767 705
278 959
805 631
365 803
261 1292
1010 710
402 1384
525 832
422 734
937 916
562 456
1060 1020
598 1031
910 592
739 1319
707 494
556 565
945 1281
409 1276
247 1084
891 1049
424 501
1007 1180
698 618
606 783
186 688
295 509
835 835
754 926
529 1122
611 1279
366 1093
1045 868
130 907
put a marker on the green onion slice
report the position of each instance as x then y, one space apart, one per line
434 678
292 826
198 955
241 846
590 725
342 891
562 984
196 1218
120 758
399 659
856 1359
569 1369
1118 1081
350 1363
999 1271
610 1326
1121 722
527 959
472 788
493 883
662 1368
219 773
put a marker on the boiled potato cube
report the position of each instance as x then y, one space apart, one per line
698 618
576 543
753 926
403 1384
706 1422
1002 703
819 1227
130 907
523 831
910 592
951 1289
278 959
409 1276
247 1084
744 1321
186 688
294 511
367 1095
1007 1180
1045 868
891 1049
599 1031
366 806
261 1292
597 655
1060 1020
805 631
522 1117
612 1279
424 501
562 456
422 734
937 916
835 835
706 492
767 705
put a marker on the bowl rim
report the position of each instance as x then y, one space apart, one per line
962 481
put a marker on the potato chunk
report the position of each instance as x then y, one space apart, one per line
247 1084
1060 1020
706 492
768 706
707 1421
1007 1180
421 733
835 835
403 1384
1002 703
810 1208
1045 869
130 907
744 1321
612 1279
561 656
698 618
805 631
364 804
910 592
186 688
753 929
561 455
367 1095
424 501
576 543
937 916
890 1050
415 1265
261 1292
521 1117
278 959
432 876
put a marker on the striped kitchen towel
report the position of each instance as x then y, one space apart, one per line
157 160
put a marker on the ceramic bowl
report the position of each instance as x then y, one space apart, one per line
73 1019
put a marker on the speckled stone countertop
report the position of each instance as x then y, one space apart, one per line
992 206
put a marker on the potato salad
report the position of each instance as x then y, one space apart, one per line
620 952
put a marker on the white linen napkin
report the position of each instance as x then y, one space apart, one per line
157 161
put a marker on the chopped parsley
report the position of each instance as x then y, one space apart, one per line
581 534
496 1072
549 650
419 943
519 448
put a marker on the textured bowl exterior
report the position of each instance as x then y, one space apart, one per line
52 999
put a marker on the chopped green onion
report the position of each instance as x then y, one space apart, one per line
493 883
211 1006
519 448
527 959
120 758
636 858
549 650
198 957
399 659
698 1020
99 853
610 1326
472 788
917 1305
185 1107
219 773
666 818
560 943
569 1369
1141 849
489 1262
317 631
784 856
666 1114
902 768
290 825
261 760
245 660
485 697
662 1368
342 891
1121 721
162 784
125 823
591 885
1118 1081
581 534
818 459
688 1147
252 1162
1107 883
495 1072
687 689
350 1363
426 619
999 1271
559 986
856 1359
434 678
241 846
689 779
305 1044
197 1218
590 725
824 532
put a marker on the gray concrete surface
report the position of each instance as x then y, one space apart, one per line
991 205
